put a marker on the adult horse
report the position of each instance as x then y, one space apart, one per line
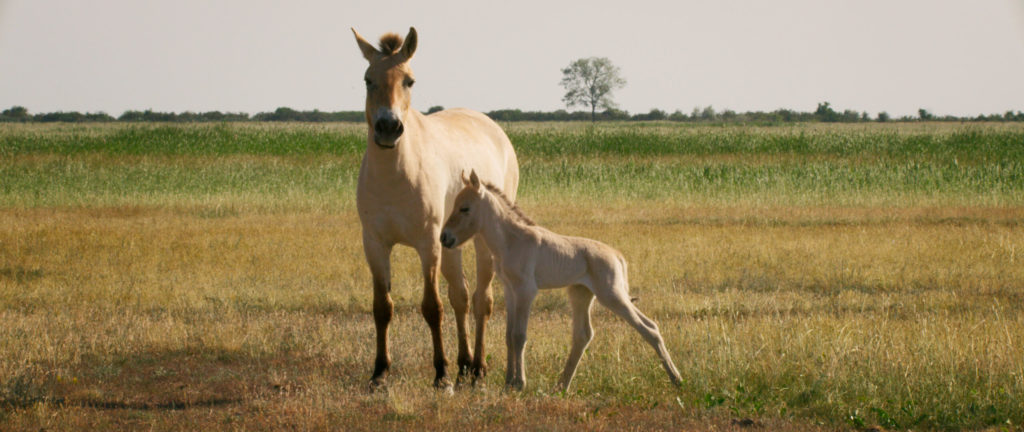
409 177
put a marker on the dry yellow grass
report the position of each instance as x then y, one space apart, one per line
806 277
800 318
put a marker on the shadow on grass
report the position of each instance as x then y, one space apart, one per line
164 380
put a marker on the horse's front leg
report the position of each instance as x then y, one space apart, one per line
378 256
458 295
433 310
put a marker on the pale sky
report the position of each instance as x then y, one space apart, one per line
959 57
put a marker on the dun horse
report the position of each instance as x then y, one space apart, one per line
530 258
407 184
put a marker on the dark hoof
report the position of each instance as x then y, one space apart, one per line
444 386
379 386
479 372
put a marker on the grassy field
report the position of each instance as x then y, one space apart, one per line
805 277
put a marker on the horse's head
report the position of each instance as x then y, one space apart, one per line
464 221
389 83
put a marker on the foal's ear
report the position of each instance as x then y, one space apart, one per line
409 47
369 52
474 180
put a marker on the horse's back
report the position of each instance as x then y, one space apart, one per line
481 143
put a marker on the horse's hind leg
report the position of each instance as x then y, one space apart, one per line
458 295
617 300
483 304
581 300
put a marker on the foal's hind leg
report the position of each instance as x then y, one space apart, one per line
458 295
581 300
615 298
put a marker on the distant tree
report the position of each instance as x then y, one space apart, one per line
15 113
708 113
883 117
589 82
923 114
435 109
612 114
677 115
825 112
850 116
654 114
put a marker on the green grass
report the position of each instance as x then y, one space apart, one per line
792 165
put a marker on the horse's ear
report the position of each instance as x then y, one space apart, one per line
369 52
409 47
465 179
474 180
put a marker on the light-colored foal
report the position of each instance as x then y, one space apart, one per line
530 258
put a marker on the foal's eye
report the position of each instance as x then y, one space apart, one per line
368 82
409 82
464 210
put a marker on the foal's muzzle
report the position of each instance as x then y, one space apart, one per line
447 240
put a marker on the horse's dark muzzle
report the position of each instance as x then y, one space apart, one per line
386 131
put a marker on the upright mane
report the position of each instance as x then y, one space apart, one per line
390 43
514 209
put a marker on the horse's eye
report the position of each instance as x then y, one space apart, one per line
464 210
368 82
409 82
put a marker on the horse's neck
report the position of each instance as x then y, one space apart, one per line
405 159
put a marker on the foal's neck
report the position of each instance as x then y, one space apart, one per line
498 225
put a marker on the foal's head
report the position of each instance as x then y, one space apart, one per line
389 83
465 219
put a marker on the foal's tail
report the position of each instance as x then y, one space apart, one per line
625 275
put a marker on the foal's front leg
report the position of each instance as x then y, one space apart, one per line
458 295
525 292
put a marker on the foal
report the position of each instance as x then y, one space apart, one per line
530 258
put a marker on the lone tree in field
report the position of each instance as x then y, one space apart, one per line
590 82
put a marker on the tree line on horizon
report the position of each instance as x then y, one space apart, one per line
823 113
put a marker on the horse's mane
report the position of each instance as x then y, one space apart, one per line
514 209
390 43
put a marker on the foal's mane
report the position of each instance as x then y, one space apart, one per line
390 43
514 209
